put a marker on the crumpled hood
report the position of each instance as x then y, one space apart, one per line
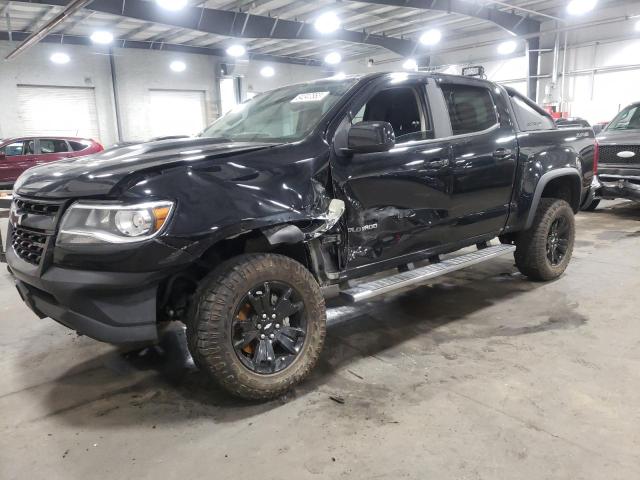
101 173
619 137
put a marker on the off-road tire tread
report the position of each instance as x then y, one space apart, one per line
531 245
207 328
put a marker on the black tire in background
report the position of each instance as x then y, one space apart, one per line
592 206
250 308
544 250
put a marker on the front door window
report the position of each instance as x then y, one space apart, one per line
401 107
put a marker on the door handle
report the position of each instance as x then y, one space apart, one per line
502 153
440 163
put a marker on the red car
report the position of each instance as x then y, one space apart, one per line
18 154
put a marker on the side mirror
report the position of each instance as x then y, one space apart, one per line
371 137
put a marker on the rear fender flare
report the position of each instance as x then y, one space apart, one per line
542 183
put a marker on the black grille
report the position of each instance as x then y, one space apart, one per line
32 223
609 154
28 244
25 206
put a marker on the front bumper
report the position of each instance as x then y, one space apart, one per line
619 186
112 307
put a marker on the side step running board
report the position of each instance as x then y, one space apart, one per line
365 291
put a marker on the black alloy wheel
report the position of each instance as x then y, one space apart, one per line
558 241
269 327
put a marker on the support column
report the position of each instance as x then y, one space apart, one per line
533 54
116 98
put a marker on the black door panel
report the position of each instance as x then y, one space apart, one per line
484 152
397 201
427 194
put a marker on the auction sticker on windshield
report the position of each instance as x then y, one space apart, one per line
309 97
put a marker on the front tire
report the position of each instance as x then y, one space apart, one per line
543 251
259 325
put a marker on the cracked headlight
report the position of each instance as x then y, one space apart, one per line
94 223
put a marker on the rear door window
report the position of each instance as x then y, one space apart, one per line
53 146
471 109
78 146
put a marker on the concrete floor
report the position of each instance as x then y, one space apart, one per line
480 375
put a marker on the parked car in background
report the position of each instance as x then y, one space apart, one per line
619 157
19 154
572 122
599 127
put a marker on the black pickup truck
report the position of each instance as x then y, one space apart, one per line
619 158
240 232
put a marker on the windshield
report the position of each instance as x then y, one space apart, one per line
280 116
627 119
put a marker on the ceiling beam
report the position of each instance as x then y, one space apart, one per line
236 24
68 10
65 39
512 22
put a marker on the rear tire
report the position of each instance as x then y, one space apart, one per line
544 250
234 337
592 206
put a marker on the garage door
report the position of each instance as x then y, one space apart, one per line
177 112
59 111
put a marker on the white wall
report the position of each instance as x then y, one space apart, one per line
285 74
138 71
86 69
596 96
601 79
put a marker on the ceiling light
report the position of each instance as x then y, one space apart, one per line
236 50
580 7
410 64
638 26
172 5
507 48
431 37
333 58
339 76
178 66
327 23
267 72
60 58
102 37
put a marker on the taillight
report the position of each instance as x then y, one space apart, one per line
596 157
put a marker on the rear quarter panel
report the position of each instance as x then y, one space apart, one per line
544 152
